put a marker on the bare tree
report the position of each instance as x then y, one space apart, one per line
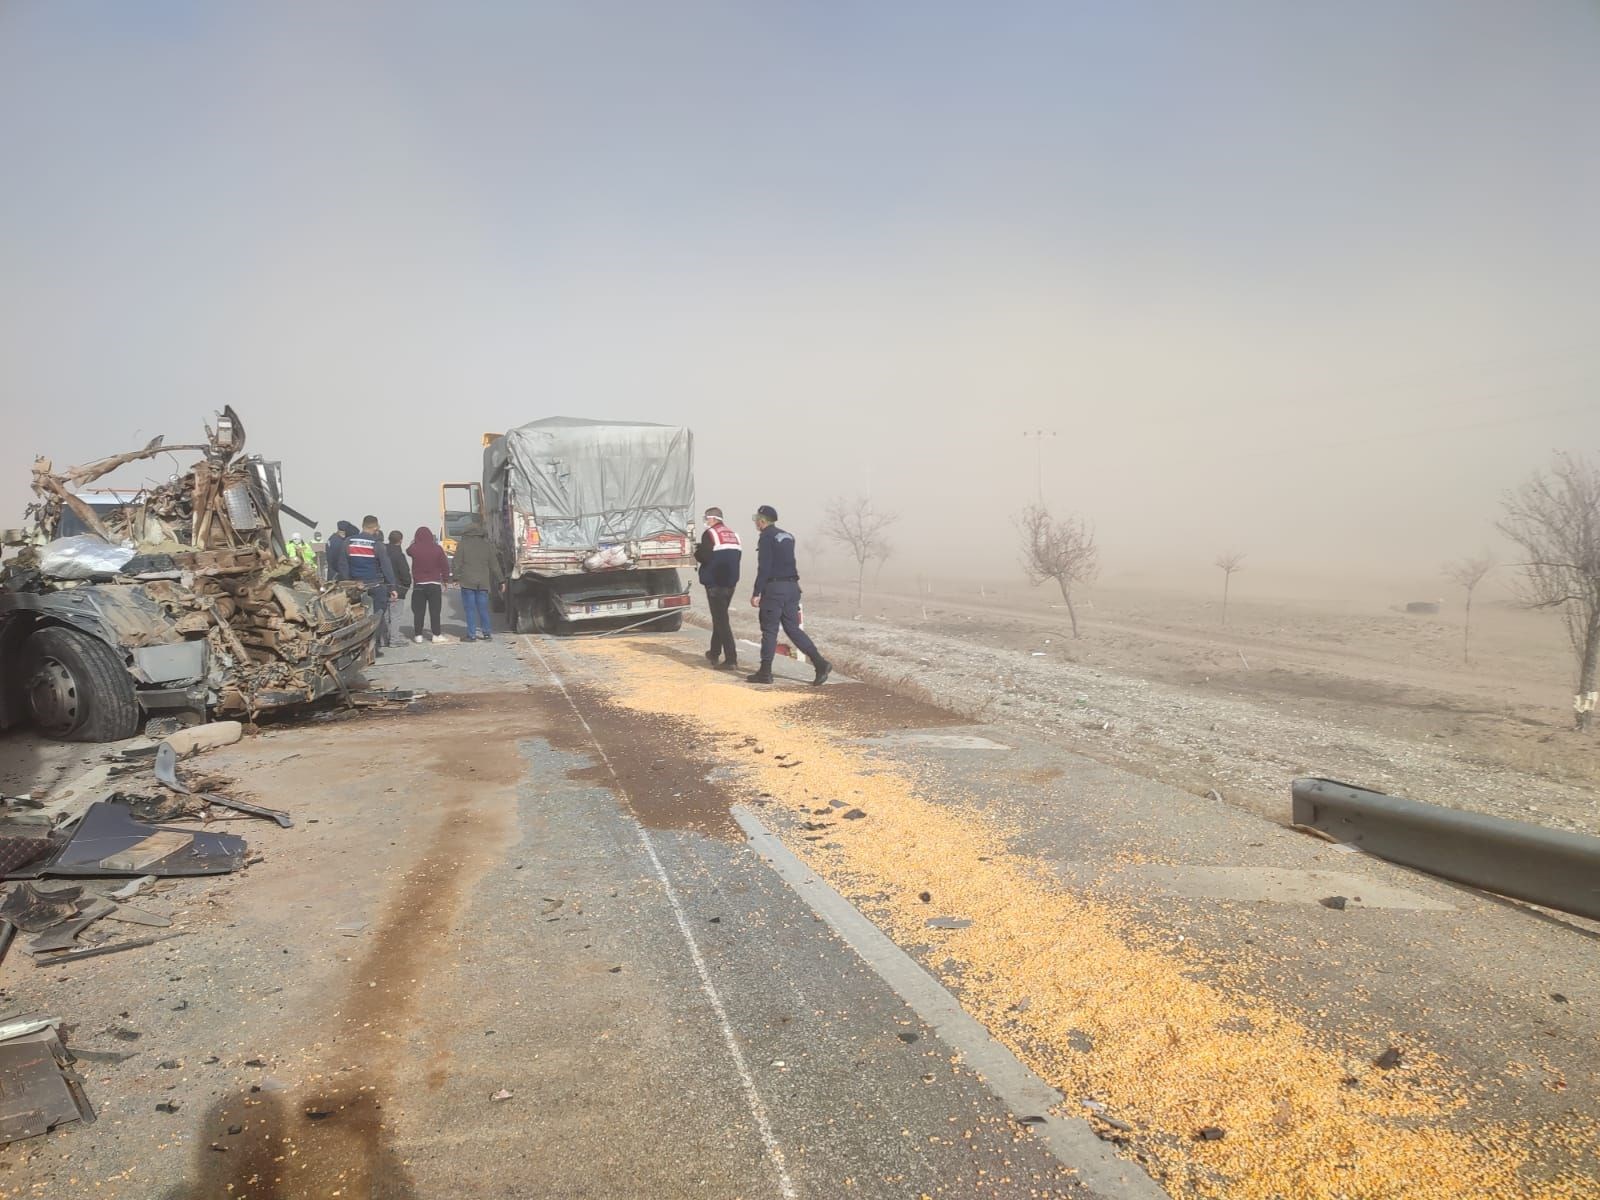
1060 549
862 530
1554 518
1230 562
1467 574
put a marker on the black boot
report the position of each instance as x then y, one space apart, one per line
711 657
824 669
730 664
762 676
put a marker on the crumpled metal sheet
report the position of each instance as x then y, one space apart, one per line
108 829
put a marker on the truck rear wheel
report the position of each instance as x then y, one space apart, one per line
78 690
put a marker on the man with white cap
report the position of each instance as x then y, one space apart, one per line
719 555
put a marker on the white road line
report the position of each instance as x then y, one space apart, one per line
758 1110
1028 1097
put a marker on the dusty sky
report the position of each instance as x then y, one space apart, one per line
1315 281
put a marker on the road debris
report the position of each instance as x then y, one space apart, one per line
38 1089
108 841
166 771
204 737
501 1095
132 888
72 956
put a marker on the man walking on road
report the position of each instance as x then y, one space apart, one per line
477 569
719 555
777 596
369 566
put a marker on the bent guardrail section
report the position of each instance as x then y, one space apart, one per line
1552 867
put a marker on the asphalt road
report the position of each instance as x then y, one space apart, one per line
469 906
528 941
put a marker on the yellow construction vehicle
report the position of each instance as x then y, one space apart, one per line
459 505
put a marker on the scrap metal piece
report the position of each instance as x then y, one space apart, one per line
97 951
35 909
255 810
138 916
26 1025
167 774
64 935
167 768
38 1089
1552 867
107 829
132 888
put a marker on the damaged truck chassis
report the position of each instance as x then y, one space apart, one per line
183 606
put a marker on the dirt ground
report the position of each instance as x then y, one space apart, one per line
1352 689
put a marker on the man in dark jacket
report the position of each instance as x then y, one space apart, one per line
477 569
369 566
337 558
777 596
719 555
398 564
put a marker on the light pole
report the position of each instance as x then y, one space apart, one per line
1038 436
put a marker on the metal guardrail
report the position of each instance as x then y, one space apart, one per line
1552 867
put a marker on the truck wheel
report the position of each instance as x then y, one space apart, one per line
668 624
78 689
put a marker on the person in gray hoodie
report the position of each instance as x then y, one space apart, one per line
477 569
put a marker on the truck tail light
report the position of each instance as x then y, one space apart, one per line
675 601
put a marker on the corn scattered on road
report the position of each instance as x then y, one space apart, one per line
1228 1073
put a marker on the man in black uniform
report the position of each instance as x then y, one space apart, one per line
777 596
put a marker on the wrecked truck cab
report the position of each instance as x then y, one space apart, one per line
94 662
176 601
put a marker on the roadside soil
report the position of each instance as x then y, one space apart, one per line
1156 684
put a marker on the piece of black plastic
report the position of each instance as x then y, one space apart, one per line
108 829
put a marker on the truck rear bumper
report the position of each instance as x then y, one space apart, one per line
605 610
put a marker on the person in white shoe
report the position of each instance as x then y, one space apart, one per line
430 571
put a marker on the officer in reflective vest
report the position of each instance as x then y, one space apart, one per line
719 555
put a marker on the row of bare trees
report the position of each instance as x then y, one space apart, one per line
1553 519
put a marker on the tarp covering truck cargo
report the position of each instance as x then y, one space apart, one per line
594 521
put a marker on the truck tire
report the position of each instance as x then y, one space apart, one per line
77 687
668 624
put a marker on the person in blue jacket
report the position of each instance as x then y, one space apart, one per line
777 597
719 555
369 566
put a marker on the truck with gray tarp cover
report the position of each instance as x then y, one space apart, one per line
593 520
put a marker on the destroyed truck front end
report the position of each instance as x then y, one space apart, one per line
178 597
63 653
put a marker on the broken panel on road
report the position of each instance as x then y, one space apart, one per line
107 831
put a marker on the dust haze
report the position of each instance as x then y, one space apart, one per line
1315 285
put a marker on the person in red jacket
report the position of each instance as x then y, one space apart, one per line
430 571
